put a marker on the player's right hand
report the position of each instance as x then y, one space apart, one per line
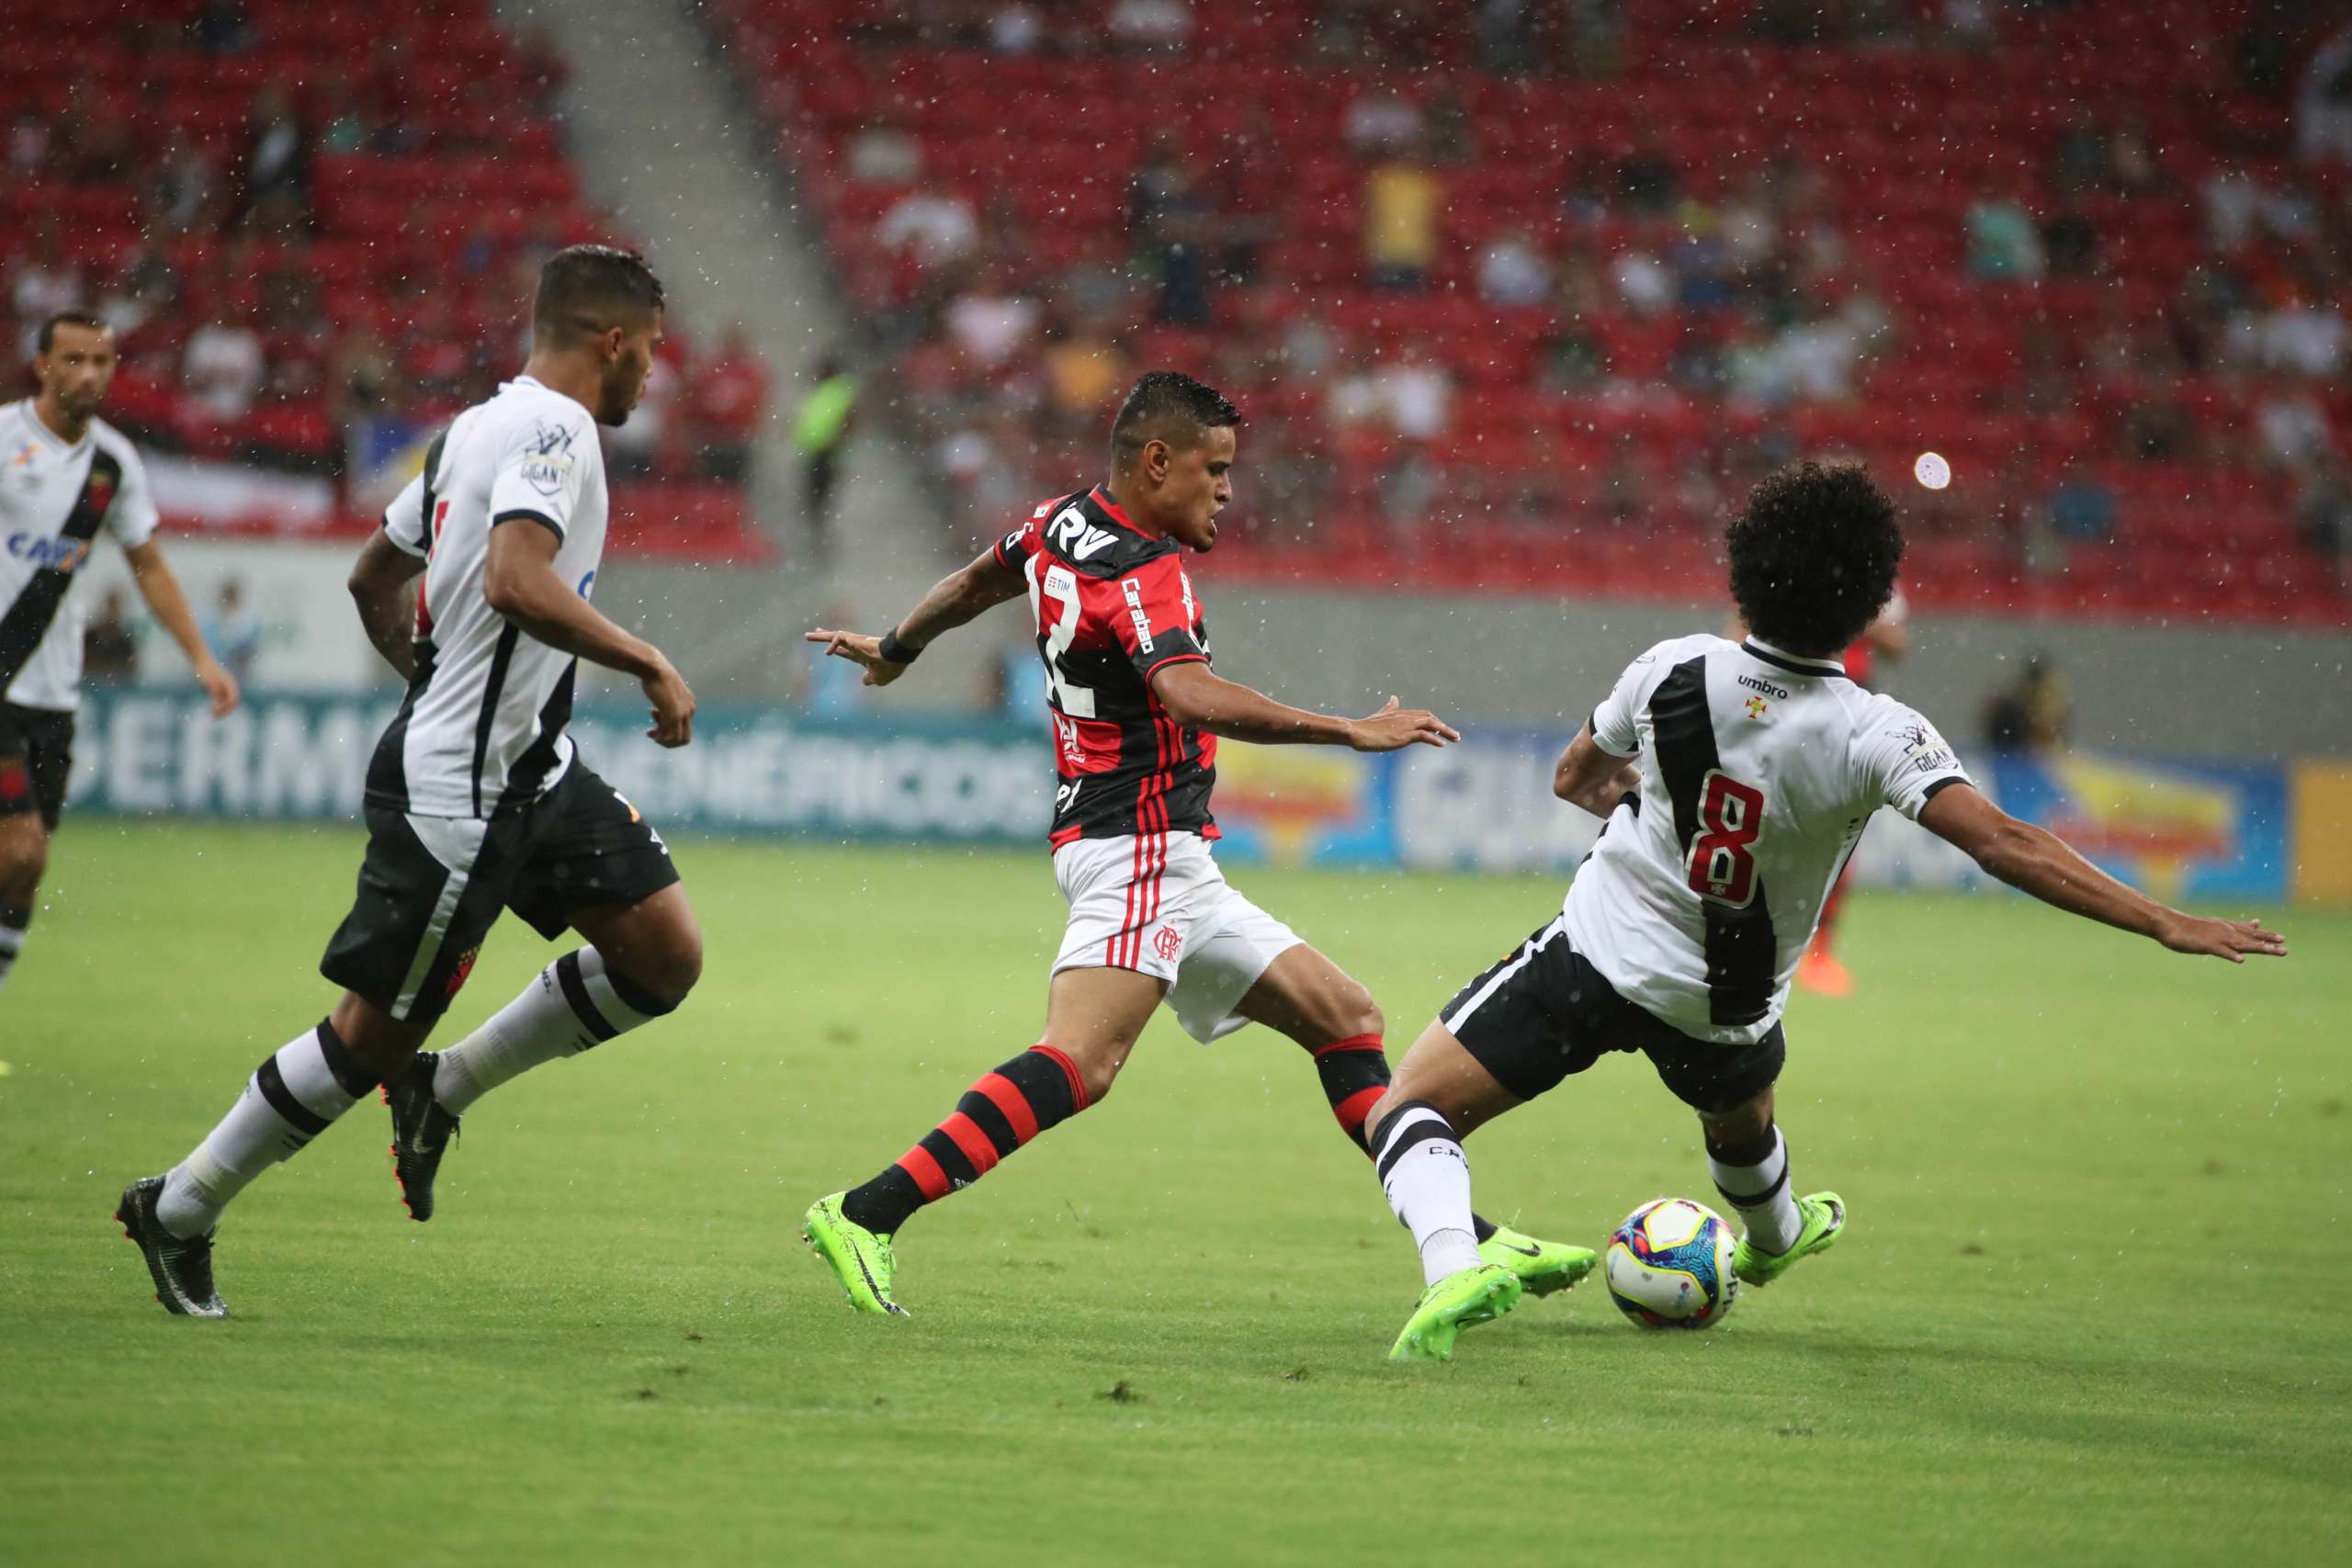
674 706
1393 728
858 648
2232 939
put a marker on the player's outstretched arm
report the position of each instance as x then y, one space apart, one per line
958 597
161 588
379 587
520 582
2035 861
1198 698
1589 777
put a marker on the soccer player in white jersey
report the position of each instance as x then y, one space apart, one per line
65 475
475 801
1735 778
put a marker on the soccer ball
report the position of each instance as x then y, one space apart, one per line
1670 1265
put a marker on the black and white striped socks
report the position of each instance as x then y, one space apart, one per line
576 1004
1426 1177
296 1094
15 921
1753 1176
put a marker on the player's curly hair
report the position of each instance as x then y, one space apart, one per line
1813 556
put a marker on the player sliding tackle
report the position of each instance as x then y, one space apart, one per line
1137 716
1734 778
476 801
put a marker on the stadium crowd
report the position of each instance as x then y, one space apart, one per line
2096 251
303 218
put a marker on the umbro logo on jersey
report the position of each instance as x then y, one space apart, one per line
1754 684
1077 538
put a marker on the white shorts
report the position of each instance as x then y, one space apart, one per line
1157 903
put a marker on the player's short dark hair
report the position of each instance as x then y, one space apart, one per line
1814 556
46 338
585 289
1167 406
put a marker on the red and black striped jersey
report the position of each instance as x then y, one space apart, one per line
1112 605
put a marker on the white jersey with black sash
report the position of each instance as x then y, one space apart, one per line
483 726
1760 770
56 497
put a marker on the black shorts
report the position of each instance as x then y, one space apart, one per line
431 888
1544 1012
36 759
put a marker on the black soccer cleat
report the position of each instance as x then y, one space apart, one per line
421 1134
182 1270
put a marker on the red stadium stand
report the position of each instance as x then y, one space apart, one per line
2096 376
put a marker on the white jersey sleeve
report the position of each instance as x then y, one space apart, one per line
542 466
405 523
132 519
1616 723
1902 759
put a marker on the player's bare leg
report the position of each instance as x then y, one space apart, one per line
641 962
1749 1161
1441 1094
24 858
1094 1018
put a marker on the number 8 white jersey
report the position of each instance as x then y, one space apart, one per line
1759 770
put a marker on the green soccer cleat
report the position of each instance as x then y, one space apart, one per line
1824 1222
1465 1297
861 1260
1543 1267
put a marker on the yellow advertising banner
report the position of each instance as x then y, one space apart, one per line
2323 818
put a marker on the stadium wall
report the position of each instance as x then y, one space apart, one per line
2191 830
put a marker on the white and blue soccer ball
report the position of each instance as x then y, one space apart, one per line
1670 1265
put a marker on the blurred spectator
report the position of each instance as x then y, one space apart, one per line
32 143
222 367
222 27
233 631
1146 27
2079 160
1403 201
731 398
1413 396
992 322
1170 226
1016 29
181 193
1084 371
1383 123
2323 104
2292 425
2324 511
44 281
2131 165
272 181
2002 245
1452 135
1647 182
933 227
2070 242
2032 713
110 650
1644 283
821 432
884 152
347 128
1408 485
2080 508
1513 272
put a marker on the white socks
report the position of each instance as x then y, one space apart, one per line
1754 1179
1426 1177
293 1095
574 1005
13 922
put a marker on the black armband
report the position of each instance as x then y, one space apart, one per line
897 652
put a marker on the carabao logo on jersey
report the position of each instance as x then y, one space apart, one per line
1077 538
1132 588
48 552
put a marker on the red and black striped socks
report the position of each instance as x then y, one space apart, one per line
1039 1088
1355 1075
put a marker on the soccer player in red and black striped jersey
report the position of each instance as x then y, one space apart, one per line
1137 716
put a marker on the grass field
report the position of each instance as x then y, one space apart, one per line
2091 1308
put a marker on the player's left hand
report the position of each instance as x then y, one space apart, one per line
1393 728
859 648
220 685
2232 939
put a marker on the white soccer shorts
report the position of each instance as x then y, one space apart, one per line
1157 903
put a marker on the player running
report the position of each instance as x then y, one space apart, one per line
1137 716
475 799
65 474
1734 778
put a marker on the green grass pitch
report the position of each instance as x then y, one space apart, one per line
2091 1309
